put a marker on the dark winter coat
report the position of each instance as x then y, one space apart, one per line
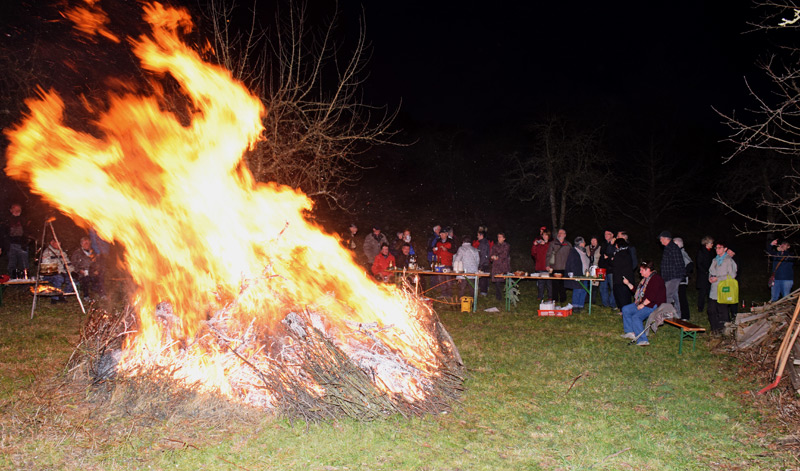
622 266
704 258
503 262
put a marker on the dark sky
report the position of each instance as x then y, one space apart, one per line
473 62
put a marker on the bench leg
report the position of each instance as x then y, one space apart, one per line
689 335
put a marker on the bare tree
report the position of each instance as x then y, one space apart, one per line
656 184
317 125
566 168
772 128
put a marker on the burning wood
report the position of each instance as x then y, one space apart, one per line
297 370
309 335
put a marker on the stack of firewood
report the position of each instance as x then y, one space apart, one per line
761 334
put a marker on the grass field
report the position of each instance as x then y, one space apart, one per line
542 393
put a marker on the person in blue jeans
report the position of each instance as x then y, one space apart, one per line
782 262
650 293
606 257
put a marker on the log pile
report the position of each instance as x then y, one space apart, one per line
760 333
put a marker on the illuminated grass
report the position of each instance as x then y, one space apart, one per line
542 393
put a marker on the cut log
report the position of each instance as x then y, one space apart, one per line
749 317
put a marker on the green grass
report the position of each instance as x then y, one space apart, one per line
542 393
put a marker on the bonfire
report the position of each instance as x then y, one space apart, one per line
237 293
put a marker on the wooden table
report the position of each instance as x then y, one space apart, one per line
513 280
471 277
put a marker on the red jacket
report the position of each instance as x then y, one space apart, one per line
539 254
381 264
444 253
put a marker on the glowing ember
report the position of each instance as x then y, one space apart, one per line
254 290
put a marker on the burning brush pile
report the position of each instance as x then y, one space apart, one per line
237 293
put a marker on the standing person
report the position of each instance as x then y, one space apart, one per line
469 258
689 265
443 253
721 268
672 268
577 264
593 251
782 263
349 240
15 232
607 250
557 254
704 257
407 240
537 241
631 248
650 293
539 252
372 244
484 261
432 240
623 271
501 263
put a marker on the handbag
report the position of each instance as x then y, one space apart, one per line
728 291
771 281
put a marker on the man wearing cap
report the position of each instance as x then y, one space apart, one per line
372 244
673 269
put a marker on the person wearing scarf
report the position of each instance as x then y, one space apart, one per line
722 267
648 295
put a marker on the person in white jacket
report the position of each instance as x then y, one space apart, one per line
466 260
722 267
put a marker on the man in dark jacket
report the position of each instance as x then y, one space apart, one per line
15 232
705 255
484 262
606 256
673 269
623 272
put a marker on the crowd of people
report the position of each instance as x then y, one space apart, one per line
84 263
564 259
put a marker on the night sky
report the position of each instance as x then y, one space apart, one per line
477 74
473 63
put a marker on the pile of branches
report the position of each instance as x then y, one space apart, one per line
272 368
756 337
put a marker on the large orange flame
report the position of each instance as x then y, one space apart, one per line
197 230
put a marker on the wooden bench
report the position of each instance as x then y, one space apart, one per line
688 330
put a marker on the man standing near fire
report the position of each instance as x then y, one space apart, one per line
15 232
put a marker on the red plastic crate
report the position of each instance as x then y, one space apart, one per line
556 312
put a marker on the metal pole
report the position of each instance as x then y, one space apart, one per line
38 267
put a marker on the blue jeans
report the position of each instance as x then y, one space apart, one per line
781 288
633 319
60 281
606 291
578 297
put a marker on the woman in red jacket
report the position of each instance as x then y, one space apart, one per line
539 254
